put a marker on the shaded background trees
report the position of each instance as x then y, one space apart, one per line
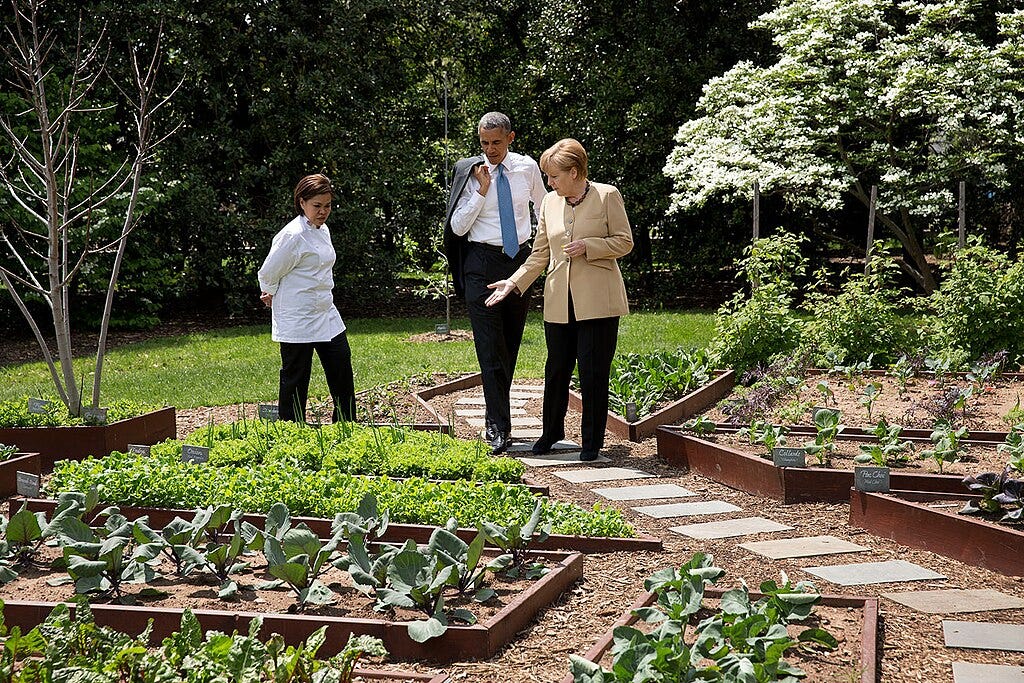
355 88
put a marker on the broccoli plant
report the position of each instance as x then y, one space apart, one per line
871 392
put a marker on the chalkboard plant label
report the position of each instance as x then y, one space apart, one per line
789 457
38 406
874 479
442 329
27 484
94 416
269 412
194 454
138 449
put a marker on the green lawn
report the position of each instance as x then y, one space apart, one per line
241 363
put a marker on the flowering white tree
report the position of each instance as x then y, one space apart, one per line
864 92
52 238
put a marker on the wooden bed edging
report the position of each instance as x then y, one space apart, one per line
423 396
458 644
866 435
868 640
698 400
761 477
75 443
396 533
970 539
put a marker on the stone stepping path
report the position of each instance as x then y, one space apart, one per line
645 492
893 571
526 395
965 672
983 635
601 474
730 528
955 600
533 434
809 546
710 507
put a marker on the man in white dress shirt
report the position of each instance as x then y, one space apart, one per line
486 238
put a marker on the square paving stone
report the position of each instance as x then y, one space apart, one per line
954 600
602 474
552 459
557 446
705 507
893 571
965 672
521 433
728 528
982 635
532 388
516 422
480 412
525 395
808 546
480 401
645 492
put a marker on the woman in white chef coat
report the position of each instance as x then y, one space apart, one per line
296 281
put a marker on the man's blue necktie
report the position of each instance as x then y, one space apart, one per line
507 215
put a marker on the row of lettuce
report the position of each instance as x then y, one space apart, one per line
420 477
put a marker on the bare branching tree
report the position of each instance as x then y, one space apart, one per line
43 175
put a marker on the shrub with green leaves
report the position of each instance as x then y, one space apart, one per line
753 330
164 481
863 320
979 307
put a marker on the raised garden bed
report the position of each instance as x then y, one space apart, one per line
75 443
458 643
761 477
905 517
695 402
19 462
869 630
159 517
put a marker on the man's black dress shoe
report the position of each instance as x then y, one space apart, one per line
543 445
490 433
586 456
500 443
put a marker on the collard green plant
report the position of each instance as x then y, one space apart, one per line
466 558
67 648
298 558
745 640
902 371
870 394
700 425
826 421
1013 447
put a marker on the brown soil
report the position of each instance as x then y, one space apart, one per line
910 643
199 591
996 406
454 335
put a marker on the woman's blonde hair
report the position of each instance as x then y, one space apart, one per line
565 155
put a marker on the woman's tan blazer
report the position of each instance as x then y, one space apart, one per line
594 278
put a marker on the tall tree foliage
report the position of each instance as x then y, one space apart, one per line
906 95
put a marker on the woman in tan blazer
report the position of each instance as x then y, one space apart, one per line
582 230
